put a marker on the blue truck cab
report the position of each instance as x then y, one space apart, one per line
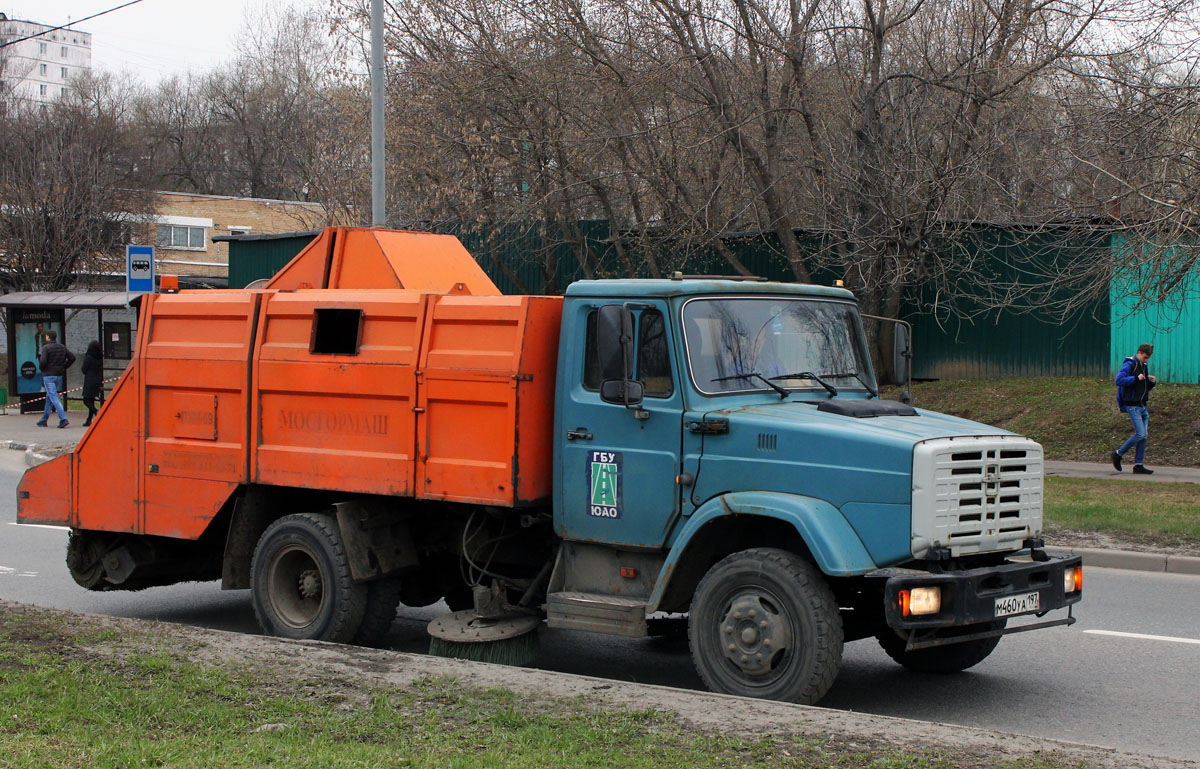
722 452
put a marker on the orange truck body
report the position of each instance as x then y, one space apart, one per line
442 390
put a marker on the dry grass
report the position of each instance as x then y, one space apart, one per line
1073 418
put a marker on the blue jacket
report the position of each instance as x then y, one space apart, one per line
1132 391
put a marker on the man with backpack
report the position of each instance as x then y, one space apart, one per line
1134 383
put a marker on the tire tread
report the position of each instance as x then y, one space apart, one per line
347 616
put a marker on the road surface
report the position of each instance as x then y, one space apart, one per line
1127 675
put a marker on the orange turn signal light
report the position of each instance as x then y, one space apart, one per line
905 603
628 572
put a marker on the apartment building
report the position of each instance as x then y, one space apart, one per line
39 66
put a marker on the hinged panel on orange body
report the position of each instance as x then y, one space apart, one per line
538 370
108 485
475 395
195 369
336 420
44 497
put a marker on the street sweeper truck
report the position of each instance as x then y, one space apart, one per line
378 425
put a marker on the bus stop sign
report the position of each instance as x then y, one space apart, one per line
139 269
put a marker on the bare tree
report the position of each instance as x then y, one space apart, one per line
71 187
278 121
871 139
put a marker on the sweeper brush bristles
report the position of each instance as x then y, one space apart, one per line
518 650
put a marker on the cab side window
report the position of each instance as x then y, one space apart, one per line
654 355
591 361
653 362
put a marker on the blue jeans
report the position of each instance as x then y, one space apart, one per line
53 384
1141 429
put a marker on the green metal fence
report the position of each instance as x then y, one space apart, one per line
997 343
1173 327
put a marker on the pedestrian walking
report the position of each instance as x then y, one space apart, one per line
1134 383
54 359
93 376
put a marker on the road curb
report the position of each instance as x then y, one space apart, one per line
1133 561
34 453
33 457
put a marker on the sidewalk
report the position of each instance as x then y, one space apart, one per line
1162 473
20 431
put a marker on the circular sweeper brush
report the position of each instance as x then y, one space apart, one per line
493 631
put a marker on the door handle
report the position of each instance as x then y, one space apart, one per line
579 434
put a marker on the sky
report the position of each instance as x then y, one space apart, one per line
153 38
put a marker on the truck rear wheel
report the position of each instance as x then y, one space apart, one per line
951 658
301 584
383 598
764 623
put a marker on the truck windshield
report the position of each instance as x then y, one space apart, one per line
734 344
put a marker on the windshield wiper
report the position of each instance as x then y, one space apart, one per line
854 374
810 375
782 392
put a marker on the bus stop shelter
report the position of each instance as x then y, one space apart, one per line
30 314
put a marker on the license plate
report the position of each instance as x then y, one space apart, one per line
1018 604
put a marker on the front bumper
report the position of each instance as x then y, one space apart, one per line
969 597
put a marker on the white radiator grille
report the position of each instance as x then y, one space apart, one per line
976 495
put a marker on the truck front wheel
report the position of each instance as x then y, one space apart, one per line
951 658
764 623
301 584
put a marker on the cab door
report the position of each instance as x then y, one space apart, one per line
619 464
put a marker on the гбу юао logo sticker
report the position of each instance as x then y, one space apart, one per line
604 484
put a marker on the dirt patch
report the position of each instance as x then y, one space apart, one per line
343 674
1160 544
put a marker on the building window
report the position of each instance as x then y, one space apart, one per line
42 70
180 236
63 92
41 48
238 229
62 52
64 73
41 90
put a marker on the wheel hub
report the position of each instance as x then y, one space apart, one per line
754 633
310 584
295 588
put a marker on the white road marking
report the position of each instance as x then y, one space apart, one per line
39 526
1145 637
6 571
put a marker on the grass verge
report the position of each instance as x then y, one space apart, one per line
74 695
1161 515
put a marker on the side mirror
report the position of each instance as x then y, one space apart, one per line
627 392
901 353
614 341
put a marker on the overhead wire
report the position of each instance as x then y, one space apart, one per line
68 24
